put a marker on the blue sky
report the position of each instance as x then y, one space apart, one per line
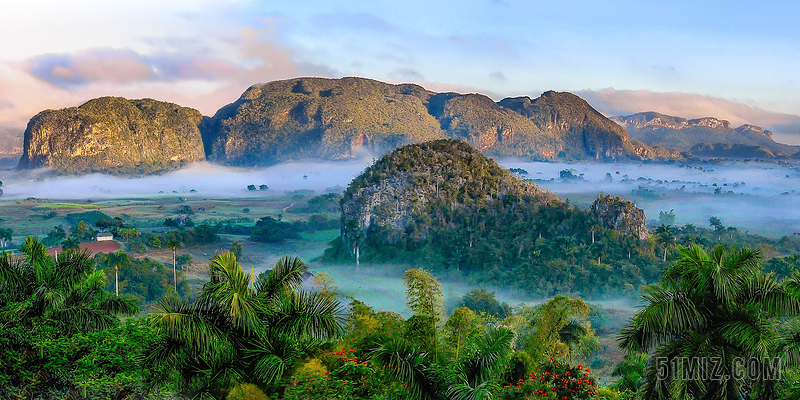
735 60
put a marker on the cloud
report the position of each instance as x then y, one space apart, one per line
498 76
126 66
408 74
196 77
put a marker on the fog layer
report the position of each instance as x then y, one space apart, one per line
757 196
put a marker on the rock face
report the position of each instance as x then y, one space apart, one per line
395 191
343 118
704 136
318 118
623 216
114 135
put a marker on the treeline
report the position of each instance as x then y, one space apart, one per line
542 250
274 230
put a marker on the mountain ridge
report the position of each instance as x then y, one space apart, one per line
707 136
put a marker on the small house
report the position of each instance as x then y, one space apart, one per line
104 237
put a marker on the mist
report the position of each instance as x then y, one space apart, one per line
200 179
760 197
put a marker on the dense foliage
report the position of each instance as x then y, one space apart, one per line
444 206
717 307
140 136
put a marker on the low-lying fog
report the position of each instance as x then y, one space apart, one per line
757 196
763 197
200 179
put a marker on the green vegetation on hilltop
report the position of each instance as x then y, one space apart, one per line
114 135
316 117
445 206
344 118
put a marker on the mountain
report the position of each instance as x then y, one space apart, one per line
444 205
114 135
342 118
10 142
708 136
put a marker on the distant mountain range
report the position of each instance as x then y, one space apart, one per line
336 119
329 119
707 137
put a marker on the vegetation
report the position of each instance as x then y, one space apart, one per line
340 118
713 305
241 329
452 209
53 311
144 136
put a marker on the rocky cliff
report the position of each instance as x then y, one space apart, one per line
342 118
704 136
114 135
416 181
623 216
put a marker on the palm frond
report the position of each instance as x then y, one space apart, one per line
287 274
787 343
462 390
490 354
407 363
308 314
13 277
182 322
670 311
72 267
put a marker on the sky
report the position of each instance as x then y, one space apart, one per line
736 60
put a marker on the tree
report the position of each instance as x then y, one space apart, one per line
128 233
480 300
117 260
154 242
237 249
558 327
70 244
234 333
67 292
5 237
666 236
666 218
716 223
631 371
173 245
710 305
424 294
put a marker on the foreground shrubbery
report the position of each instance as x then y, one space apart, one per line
264 337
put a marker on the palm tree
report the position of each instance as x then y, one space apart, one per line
174 245
117 260
710 305
66 291
631 370
474 375
237 333
665 234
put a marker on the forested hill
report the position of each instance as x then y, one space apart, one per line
342 118
114 135
445 206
